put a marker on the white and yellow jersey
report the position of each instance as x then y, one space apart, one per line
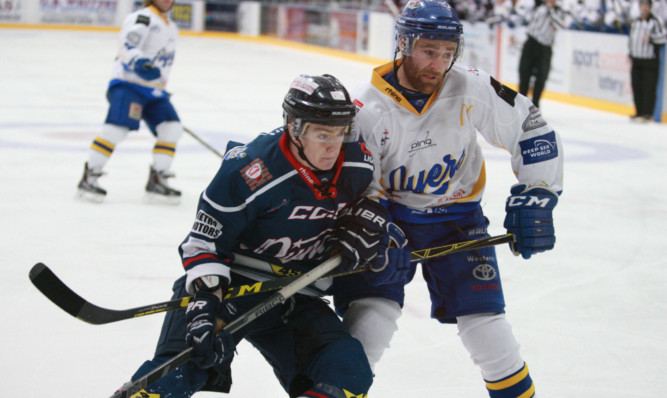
146 33
428 159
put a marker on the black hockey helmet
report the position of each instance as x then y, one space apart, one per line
320 100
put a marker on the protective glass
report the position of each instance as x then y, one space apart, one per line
408 47
321 134
344 133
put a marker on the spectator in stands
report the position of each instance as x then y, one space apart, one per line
536 53
616 18
511 12
647 35
587 15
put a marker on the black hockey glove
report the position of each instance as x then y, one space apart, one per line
146 70
529 218
210 349
393 261
359 231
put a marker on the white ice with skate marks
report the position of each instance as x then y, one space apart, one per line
590 315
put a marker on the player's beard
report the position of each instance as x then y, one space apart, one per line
414 77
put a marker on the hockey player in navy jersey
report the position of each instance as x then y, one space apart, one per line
137 92
421 117
273 209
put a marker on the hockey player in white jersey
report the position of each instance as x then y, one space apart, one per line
137 91
420 117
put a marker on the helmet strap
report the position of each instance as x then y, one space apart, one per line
296 141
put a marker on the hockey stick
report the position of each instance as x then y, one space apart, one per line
61 295
196 137
276 299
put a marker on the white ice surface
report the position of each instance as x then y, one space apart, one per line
591 315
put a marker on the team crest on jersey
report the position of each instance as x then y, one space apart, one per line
255 174
237 152
135 111
351 395
285 249
434 180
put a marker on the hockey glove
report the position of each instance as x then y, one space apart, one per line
393 261
359 231
209 349
144 68
529 218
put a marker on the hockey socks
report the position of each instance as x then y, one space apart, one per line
517 385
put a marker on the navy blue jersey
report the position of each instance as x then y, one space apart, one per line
263 204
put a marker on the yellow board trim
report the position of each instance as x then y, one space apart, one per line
606 106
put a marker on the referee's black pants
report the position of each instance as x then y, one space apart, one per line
644 78
535 61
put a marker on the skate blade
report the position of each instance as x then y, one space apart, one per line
87 196
157 199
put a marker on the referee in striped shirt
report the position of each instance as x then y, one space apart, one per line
536 53
647 34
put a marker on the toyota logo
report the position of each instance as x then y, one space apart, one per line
484 272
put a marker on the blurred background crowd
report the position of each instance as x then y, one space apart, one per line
609 16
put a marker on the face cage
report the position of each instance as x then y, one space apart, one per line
299 127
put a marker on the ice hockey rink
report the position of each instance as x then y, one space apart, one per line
591 315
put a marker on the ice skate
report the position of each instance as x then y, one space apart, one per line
88 188
159 191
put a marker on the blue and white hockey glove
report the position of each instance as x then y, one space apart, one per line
360 230
145 69
529 218
210 349
393 261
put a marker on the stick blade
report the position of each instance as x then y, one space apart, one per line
55 290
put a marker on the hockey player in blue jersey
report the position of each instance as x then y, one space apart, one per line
137 92
274 209
422 117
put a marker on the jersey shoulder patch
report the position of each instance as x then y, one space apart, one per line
255 174
143 19
357 152
507 94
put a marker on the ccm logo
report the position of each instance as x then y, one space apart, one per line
527 201
313 213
